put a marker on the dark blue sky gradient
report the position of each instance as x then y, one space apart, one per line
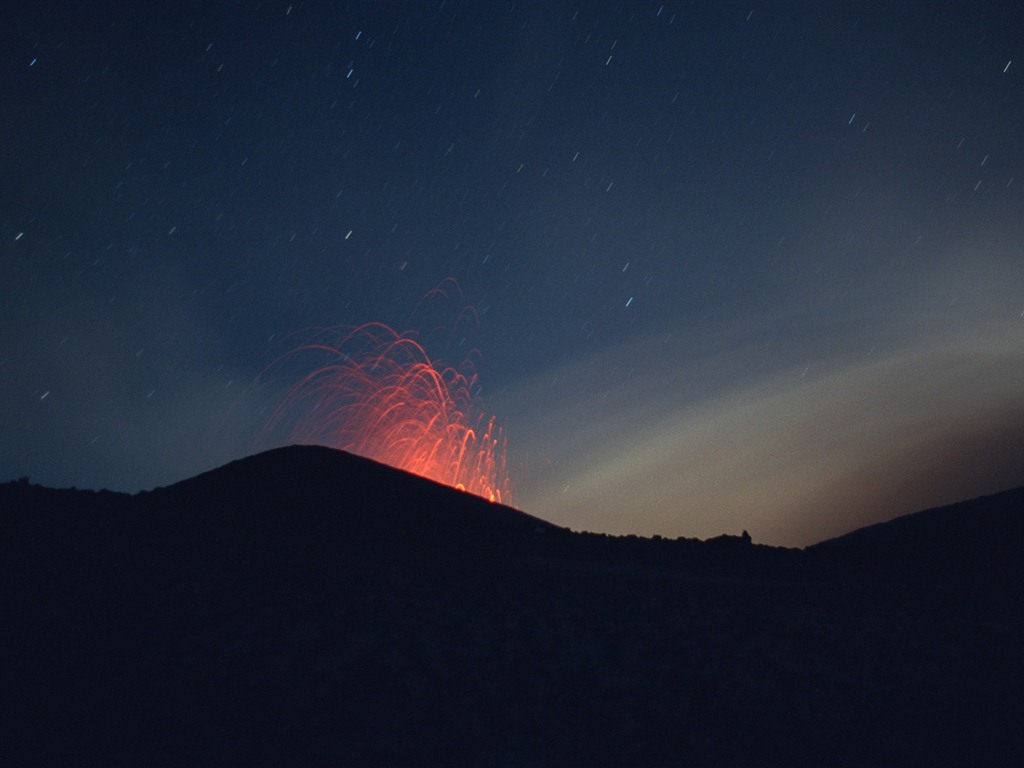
679 224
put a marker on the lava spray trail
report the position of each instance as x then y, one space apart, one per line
377 393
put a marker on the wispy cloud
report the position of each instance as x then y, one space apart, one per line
793 436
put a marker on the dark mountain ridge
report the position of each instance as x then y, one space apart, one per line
308 607
372 498
982 535
323 497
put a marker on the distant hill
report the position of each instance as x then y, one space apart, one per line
306 607
983 535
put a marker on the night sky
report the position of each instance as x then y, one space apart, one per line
737 266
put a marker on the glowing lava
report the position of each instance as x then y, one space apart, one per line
377 393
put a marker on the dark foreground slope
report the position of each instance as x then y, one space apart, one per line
305 607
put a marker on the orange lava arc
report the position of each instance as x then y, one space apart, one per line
377 393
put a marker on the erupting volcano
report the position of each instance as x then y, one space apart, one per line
377 393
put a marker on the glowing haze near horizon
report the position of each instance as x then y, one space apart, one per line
736 266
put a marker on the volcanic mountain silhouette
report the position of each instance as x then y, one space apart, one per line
299 491
309 607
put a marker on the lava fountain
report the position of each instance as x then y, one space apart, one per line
377 393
